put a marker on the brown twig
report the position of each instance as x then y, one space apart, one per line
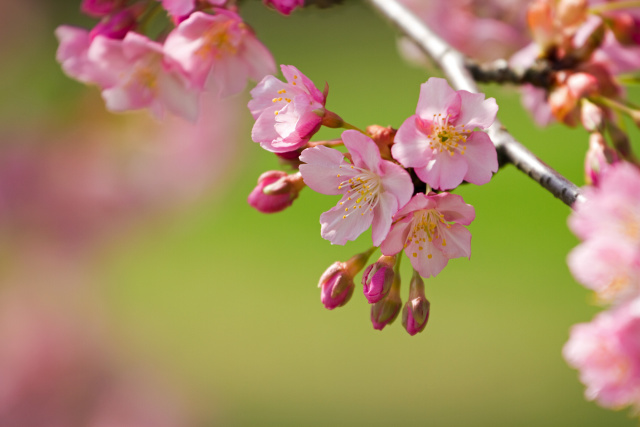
454 64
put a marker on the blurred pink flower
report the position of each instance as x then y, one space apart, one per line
287 114
440 141
219 52
430 230
373 189
606 351
180 8
284 6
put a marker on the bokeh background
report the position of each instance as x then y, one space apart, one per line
127 244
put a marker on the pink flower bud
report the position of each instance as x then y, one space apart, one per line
592 116
99 8
626 28
416 311
117 26
571 12
276 191
598 159
385 311
284 6
378 278
336 282
383 137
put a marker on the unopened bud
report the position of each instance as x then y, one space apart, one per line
540 20
563 105
117 26
415 313
330 119
625 27
336 282
276 191
385 311
99 8
383 137
378 278
598 159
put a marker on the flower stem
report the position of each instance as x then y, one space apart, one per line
346 125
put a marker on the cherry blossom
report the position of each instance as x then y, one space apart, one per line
607 353
440 142
372 189
430 230
219 52
287 114
142 77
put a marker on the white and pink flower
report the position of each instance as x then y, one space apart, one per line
440 141
606 351
219 52
430 229
372 189
287 114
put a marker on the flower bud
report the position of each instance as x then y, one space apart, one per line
329 118
383 137
99 8
591 116
378 278
416 311
117 26
625 28
385 311
599 157
570 13
336 282
276 191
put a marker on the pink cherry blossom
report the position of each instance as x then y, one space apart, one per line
372 189
284 6
606 351
430 230
219 52
439 141
142 77
287 114
608 259
72 54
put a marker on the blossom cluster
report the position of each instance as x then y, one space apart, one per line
607 350
396 182
209 48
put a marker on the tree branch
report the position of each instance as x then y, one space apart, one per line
453 63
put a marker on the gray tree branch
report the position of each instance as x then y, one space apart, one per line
453 64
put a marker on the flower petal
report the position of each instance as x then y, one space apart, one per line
411 145
394 242
339 226
482 158
382 214
363 150
437 97
454 209
475 111
321 171
444 171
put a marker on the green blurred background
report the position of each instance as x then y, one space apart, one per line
224 299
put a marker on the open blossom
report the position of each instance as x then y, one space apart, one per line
372 189
284 6
607 353
440 142
287 114
219 52
430 230
72 54
141 77
608 259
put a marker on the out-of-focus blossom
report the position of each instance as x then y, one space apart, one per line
72 54
430 230
336 283
608 222
482 29
117 26
57 371
415 313
99 8
181 8
276 191
606 351
440 142
287 114
372 189
598 159
142 77
284 6
219 52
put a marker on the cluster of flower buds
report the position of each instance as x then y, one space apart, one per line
583 46
607 350
208 48
395 182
